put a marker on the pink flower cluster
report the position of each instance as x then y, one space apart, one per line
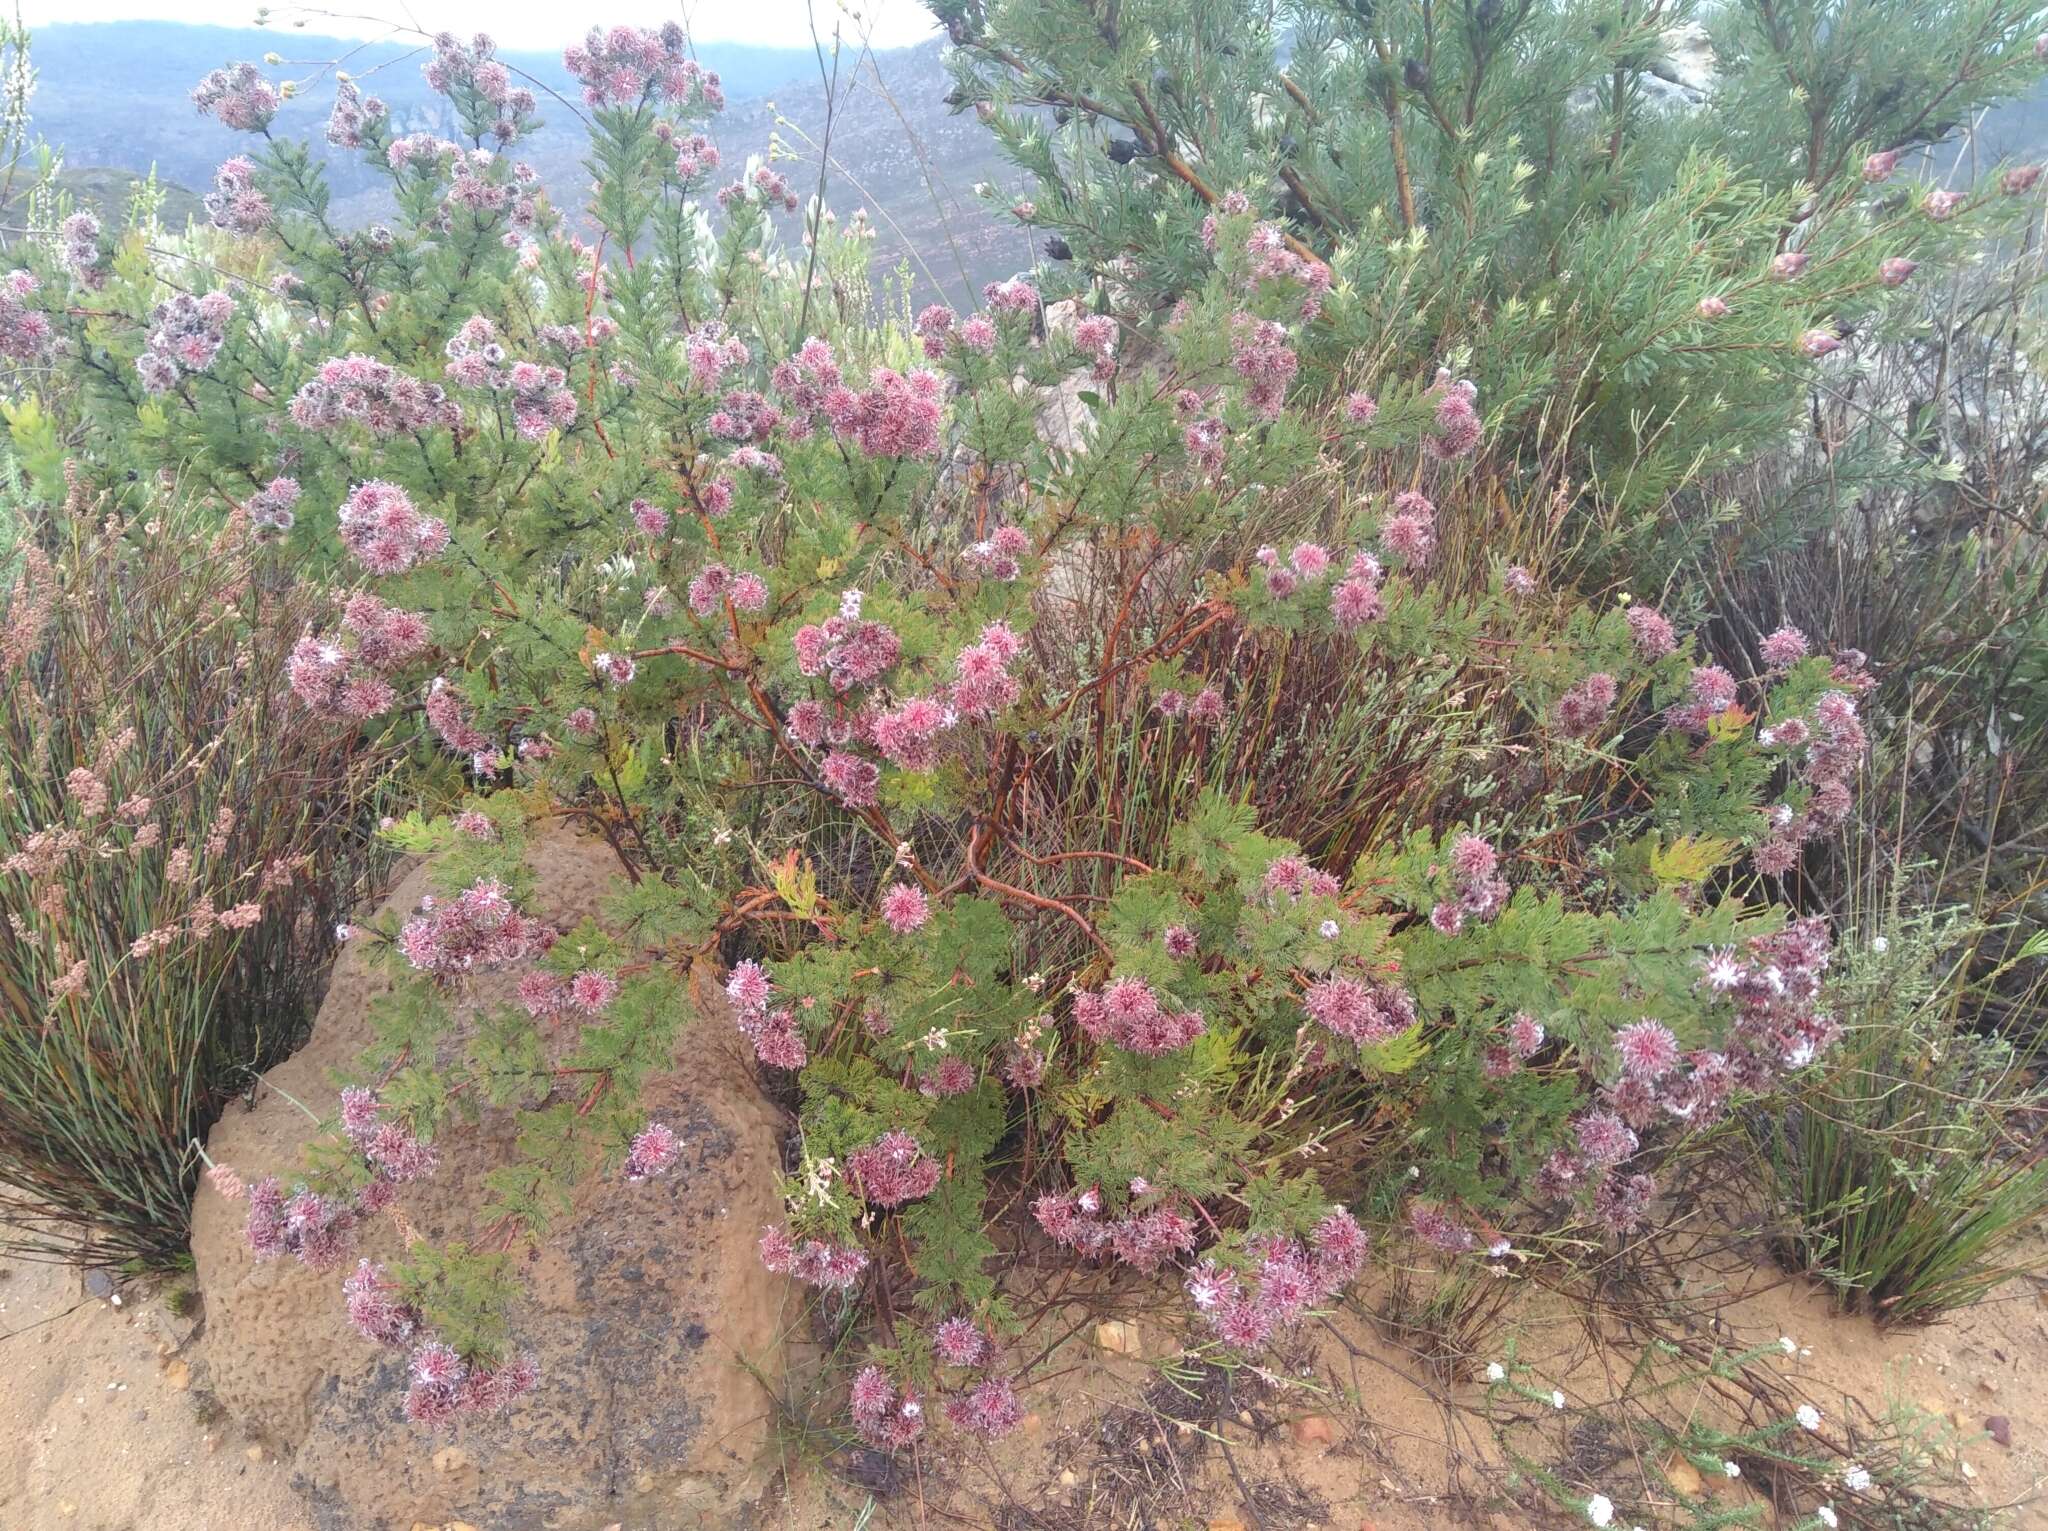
711 352
695 156
951 1075
887 1417
1584 707
654 1151
1012 296
768 186
451 720
474 932
1128 1012
1409 530
78 248
1204 709
982 683
396 1156
1296 879
892 1170
1439 1229
625 65
186 334
1361 1012
353 113
234 203
541 399
1835 744
551 997
376 1308
24 333
455 70
1261 354
1456 429
360 390
772 1030
904 908
895 416
340 682
1479 892
934 325
1143 1238
386 532
1095 338
813 1262
715 584
990 1410
958 1342
1783 648
270 508
1774 985
237 97
445 1387
1653 635
1710 692
845 649
317 1229
999 555
1288 1278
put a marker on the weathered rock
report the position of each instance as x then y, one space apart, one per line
641 1303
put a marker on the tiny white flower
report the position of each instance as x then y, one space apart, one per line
1826 1516
1414 1172
1495 1372
1330 930
343 932
1090 1200
1732 1469
1808 1416
1880 945
1855 1477
1787 1344
1557 1398
912 1408
849 605
1600 1510
904 854
1140 1185
935 1040
1498 1248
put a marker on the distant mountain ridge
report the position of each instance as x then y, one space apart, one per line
117 95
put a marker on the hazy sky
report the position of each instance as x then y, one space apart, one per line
525 23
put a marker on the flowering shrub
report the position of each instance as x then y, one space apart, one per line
1172 812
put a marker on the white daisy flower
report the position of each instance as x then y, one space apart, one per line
1495 1372
1808 1416
1600 1510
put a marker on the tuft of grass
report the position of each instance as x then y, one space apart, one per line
155 773
1909 1173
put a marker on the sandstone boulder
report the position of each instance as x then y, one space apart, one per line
646 1305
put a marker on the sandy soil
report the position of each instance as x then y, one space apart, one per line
101 1428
